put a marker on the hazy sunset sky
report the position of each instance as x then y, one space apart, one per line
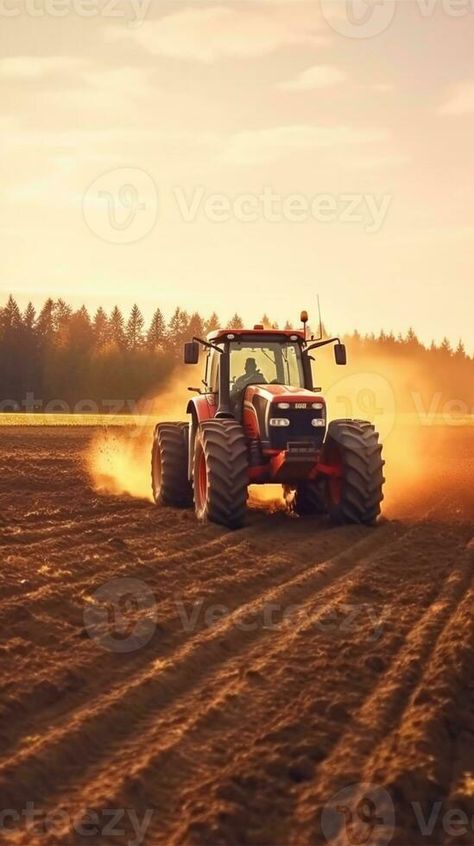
117 132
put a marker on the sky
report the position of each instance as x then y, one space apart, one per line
242 156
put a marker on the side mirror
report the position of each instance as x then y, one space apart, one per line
191 352
340 354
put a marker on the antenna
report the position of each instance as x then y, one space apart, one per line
320 320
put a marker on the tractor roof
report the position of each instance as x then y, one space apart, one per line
257 332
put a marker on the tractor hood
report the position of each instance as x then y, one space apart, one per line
282 393
277 415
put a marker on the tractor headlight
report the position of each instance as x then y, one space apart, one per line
279 421
283 404
318 421
318 406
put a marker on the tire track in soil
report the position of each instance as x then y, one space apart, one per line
372 741
168 626
55 596
240 762
117 711
95 793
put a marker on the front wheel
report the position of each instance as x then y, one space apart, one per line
221 473
169 465
354 490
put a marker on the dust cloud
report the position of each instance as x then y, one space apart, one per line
396 396
416 428
119 462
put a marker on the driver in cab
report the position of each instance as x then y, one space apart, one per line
251 376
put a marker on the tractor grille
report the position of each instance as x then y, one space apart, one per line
300 429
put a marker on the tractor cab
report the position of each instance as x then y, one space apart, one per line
250 360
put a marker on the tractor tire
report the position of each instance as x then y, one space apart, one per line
355 496
220 473
310 498
169 466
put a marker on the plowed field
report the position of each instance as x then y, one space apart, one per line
289 683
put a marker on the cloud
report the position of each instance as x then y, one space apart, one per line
270 145
461 101
34 67
101 93
207 34
371 161
318 76
383 87
54 189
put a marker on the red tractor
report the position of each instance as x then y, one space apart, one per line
259 420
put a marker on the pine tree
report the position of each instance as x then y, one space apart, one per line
61 314
196 326
411 339
212 324
235 322
84 316
117 328
29 317
178 329
28 374
446 347
10 317
156 335
134 331
80 334
100 327
11 352
45 321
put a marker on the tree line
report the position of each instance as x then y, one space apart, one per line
61 358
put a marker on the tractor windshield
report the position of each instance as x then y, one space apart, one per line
260 362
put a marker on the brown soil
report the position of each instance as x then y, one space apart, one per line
279 664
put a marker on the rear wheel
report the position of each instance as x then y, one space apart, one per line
169 465
220 473
310 498
355 490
